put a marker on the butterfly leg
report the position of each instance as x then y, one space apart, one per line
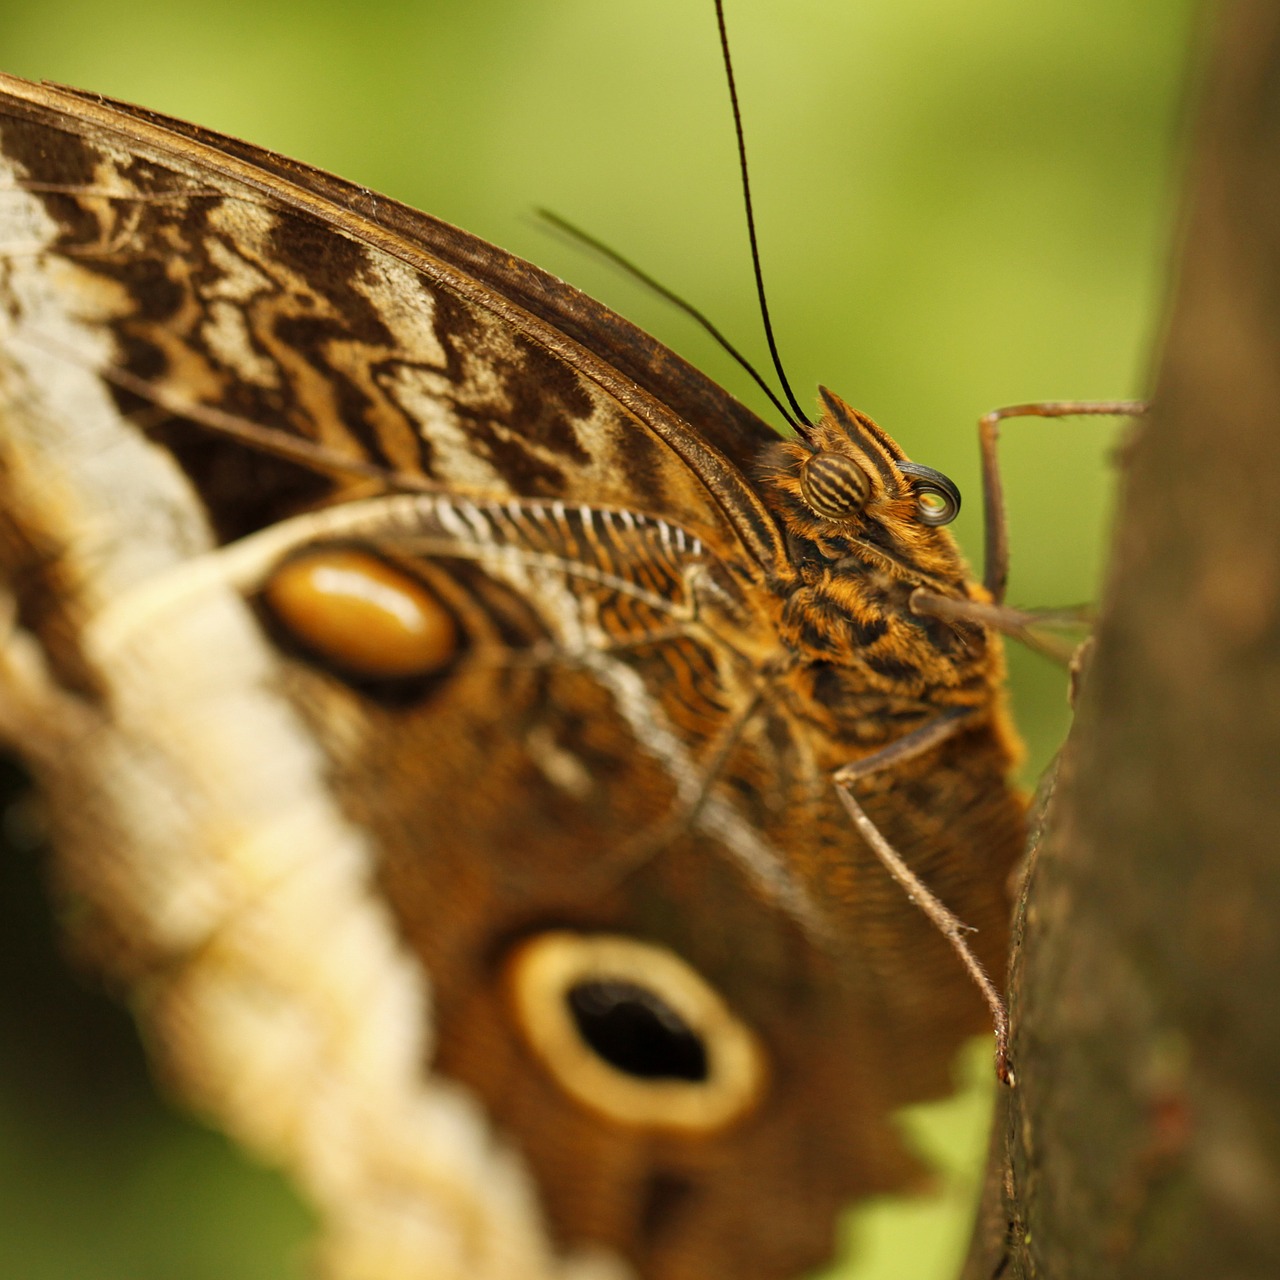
914 744
996 549
1021 624
687 806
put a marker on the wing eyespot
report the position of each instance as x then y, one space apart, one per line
632 1032
361 615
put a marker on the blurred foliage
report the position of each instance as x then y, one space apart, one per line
962 203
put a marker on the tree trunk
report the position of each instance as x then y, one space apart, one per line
1142 1138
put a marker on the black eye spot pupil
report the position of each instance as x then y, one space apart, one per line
636 1031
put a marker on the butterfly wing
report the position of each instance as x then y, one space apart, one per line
351 907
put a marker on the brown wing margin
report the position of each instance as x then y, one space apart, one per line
715 435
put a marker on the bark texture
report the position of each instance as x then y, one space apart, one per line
1143 1136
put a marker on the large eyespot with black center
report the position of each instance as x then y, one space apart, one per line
361 615
937 498
834 486
631 1032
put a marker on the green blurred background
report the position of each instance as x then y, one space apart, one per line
962 203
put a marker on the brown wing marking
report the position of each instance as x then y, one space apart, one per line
138 144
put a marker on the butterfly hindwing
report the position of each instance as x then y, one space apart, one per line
340 894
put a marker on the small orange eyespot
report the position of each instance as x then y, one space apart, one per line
362 615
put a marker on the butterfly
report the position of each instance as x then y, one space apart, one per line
457 714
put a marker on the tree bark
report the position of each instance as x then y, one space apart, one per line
1142 1138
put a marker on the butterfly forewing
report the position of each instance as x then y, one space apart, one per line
217 361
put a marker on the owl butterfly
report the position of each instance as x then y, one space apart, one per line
437 686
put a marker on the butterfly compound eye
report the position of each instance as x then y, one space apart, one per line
630 1031
937 498
835 487
362 615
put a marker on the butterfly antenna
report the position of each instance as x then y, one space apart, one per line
751 223
598 246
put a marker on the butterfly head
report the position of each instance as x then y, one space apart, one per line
845 483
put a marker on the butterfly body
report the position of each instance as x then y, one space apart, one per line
336 893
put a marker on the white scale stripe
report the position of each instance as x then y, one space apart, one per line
480 527
232 857
450 519
714 817
245 565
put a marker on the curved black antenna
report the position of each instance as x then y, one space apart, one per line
583 237
751 220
